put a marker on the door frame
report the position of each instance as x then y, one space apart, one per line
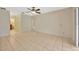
76 34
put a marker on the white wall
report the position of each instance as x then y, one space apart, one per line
58 23
4 23
26 23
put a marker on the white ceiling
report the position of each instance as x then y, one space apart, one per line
19 10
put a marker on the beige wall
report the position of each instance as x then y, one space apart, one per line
26 23
58 23
4 23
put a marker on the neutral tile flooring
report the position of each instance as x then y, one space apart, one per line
35 41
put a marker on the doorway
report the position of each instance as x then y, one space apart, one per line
12 25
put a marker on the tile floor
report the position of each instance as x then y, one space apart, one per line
35 41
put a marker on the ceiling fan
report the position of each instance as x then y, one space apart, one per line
34 10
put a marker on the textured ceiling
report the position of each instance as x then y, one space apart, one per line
19 10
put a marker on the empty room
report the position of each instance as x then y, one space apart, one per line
38 29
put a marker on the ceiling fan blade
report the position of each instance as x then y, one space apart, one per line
27 12
28 8
37 10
